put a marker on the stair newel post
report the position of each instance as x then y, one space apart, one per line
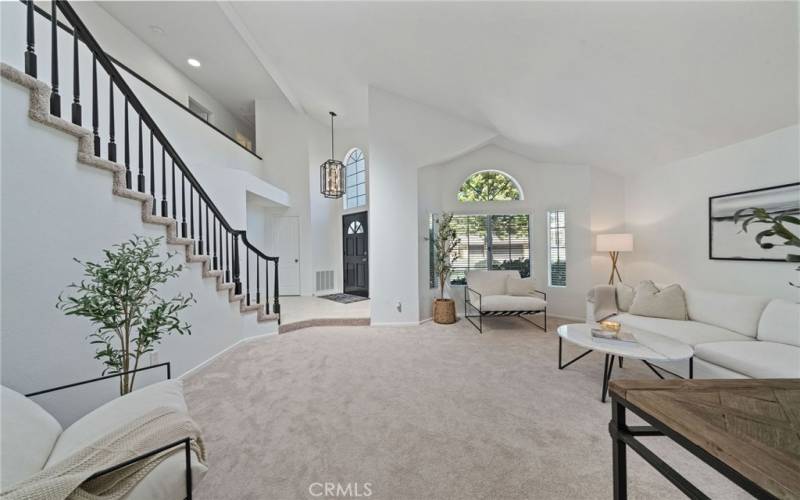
258 279
215 260
183 205
247 271
164 208
227 256
112 146
30 51
174 198
276 305
199 225
77 119
95 109
237 289
140 178
55 99
152 177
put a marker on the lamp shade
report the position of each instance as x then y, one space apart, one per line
615 242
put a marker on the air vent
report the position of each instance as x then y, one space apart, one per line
324 280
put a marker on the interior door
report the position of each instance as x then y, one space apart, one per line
286 244
355 243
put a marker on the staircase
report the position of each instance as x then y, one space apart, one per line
148 169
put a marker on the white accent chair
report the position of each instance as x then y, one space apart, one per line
33 439
487 293
733 336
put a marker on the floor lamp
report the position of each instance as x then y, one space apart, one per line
614 244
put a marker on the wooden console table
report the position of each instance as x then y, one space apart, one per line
748 430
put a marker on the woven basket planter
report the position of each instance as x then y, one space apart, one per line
444 311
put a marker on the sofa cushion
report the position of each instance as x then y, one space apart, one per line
688 332
510 303
166 480
780 322
625 294
668 302
520 287
754 359
29 434
738 313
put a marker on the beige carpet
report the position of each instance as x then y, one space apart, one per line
429 412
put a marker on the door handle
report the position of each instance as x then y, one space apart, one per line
296 261
363 260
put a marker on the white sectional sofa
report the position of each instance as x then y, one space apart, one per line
733 336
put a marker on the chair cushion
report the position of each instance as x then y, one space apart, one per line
780 322
520 287
668 302
491 303
166 480
29 434
489 282
738 313
754 359
688 332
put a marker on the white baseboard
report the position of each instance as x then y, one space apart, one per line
405 323
220 353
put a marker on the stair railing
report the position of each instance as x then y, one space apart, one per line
202 222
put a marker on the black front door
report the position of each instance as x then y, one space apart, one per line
356 262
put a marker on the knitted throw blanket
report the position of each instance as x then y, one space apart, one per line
66 479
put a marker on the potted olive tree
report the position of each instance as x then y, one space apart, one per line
444 245
119 296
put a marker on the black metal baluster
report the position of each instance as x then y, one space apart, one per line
95 110
55 99
183 204
140 178
208 235
30 51
77 119
237 289
276 305
153 176
112 146
247 272
128 180
215 261
199 224
164 208
227 256
266 286
258 280
174 198
191 210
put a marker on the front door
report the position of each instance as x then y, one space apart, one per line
356 261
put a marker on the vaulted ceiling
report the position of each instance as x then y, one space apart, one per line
621 85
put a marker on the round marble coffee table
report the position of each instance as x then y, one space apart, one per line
650 347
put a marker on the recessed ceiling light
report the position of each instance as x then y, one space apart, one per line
193 62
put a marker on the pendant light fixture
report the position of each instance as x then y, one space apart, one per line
331 173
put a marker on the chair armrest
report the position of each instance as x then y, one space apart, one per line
468 302
105 377
541 292
467 289
185 442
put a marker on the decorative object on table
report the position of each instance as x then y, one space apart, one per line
612 336
614 244
776 232
444 245
332 173
119 297
610 326
776 206
667 303
343 298
721 422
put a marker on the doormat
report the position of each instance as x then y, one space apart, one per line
343 298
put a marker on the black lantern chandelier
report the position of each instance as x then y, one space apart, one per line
331 173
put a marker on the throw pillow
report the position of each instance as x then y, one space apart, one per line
625 294
520 287
667 303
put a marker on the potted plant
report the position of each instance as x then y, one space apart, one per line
444 245
777 228
119 296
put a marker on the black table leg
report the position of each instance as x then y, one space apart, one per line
609 367
620 459
691 367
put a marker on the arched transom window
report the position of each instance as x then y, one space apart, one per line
355 227
356 180
490 185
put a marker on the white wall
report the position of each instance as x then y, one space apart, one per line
667 211
545 187
54 209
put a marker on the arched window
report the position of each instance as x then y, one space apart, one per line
490 185
356 180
